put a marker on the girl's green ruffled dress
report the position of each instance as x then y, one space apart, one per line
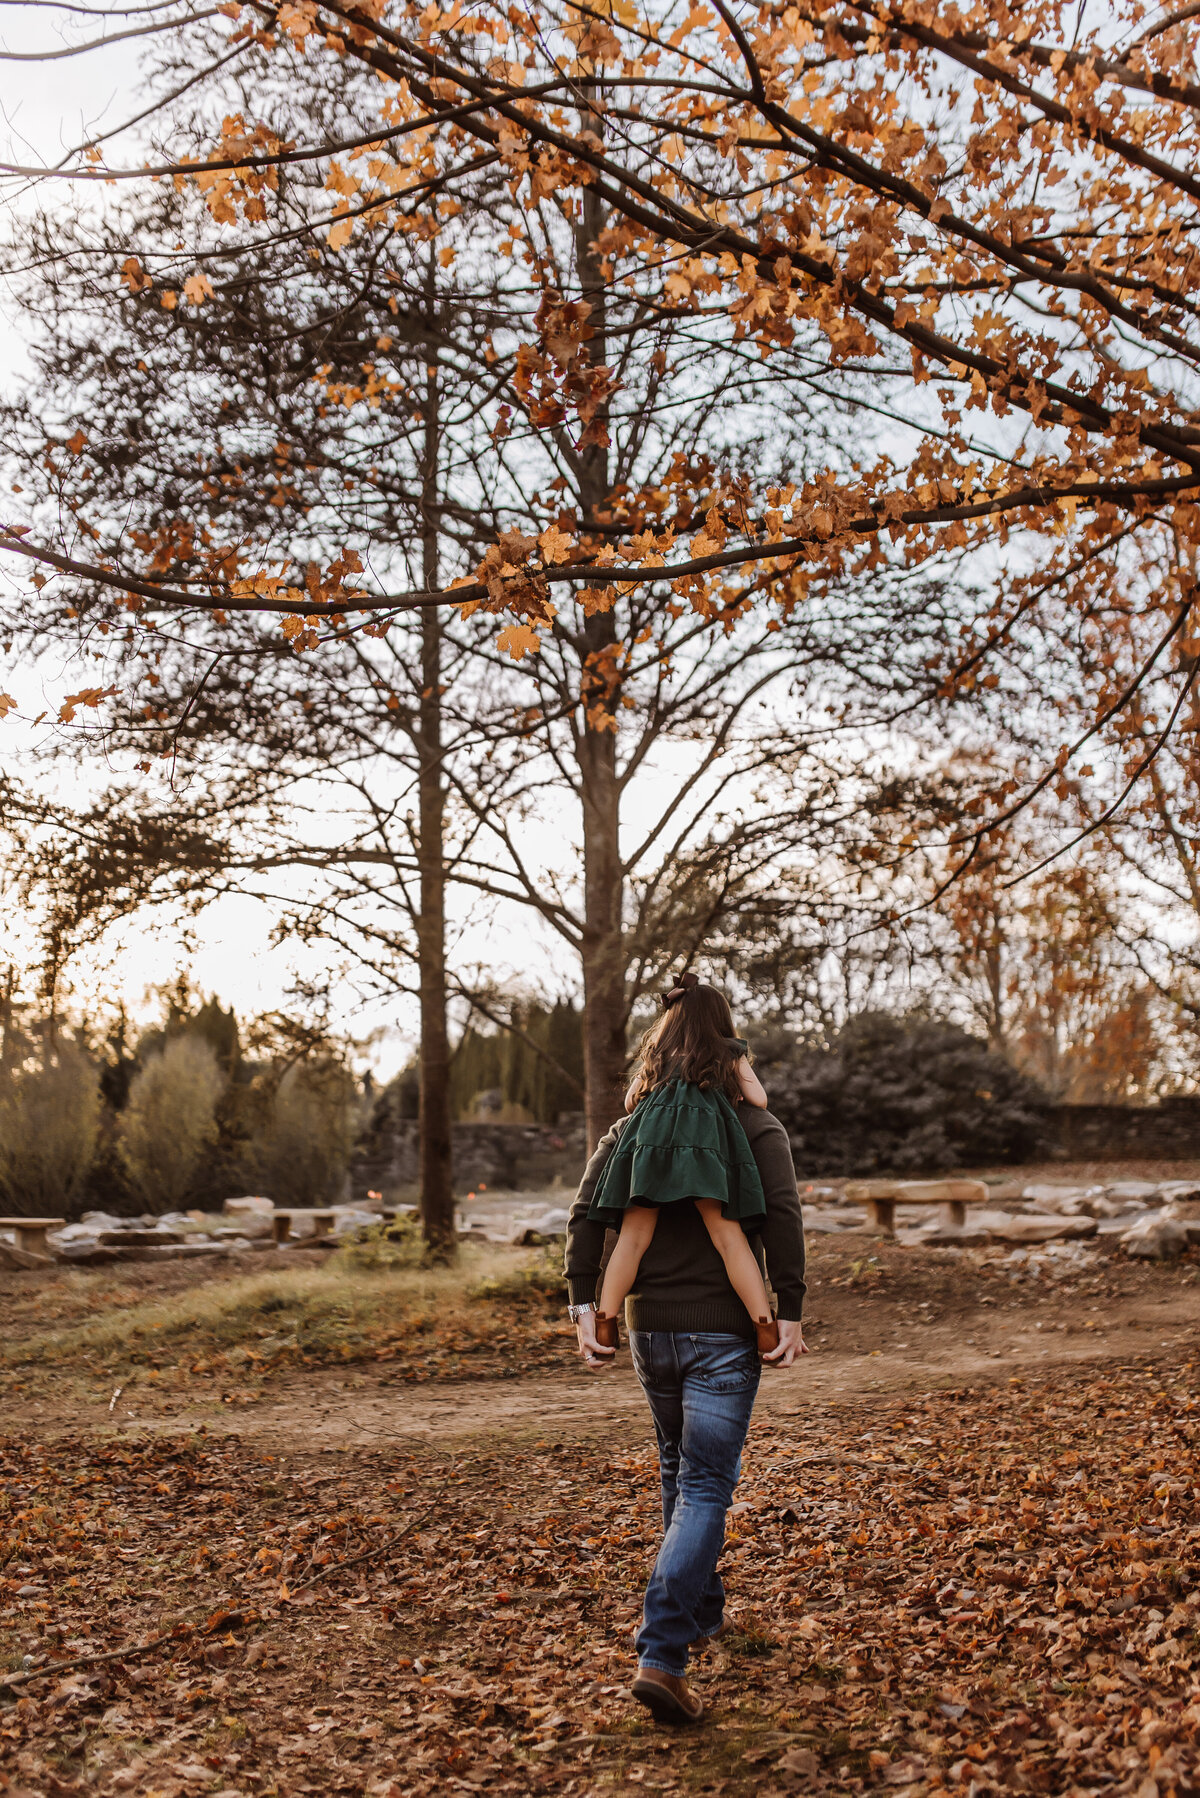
682 1142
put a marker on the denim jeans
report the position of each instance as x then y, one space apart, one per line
701 1391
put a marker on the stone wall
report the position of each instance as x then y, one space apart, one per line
1166 1132
521 1157
532 1157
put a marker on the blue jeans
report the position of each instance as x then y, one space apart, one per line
701 1391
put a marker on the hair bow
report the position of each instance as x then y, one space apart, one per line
686 983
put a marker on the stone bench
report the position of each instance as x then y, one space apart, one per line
880 1198
30 1232
282 1221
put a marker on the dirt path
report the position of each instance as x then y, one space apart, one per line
325 1410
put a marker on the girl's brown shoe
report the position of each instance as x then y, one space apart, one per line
766 1333
607 1333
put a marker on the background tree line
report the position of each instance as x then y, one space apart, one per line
672 372
186 1115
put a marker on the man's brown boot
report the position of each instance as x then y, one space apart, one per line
667 1696
766 1333
607 1333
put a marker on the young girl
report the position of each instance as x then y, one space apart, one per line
684 1144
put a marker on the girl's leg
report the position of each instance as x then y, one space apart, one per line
729 1240
637 1232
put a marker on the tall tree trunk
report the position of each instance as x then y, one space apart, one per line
436 1169
604 1001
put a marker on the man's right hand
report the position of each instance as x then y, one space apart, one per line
791 1344
594 1356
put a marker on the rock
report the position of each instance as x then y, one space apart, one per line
1060 1201
831 1223
971 1235
252 1216
258 1207
1046 1229
99 1220
349 1220
1158 1239
136 1239
1181 1192
88 1253
12 1258
1135 1192
1102 1206
1120 1226
83 1232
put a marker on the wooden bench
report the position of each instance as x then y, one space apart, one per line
282 1220
30 1232
880 1197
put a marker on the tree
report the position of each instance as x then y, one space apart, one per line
816 185
814 173
170 1120
302 1154
309 448
49 1122
903 1096
612 694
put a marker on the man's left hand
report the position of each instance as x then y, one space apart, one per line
791 1344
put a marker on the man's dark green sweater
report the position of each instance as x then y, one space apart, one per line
682 1284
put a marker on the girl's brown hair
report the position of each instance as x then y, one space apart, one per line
690 1042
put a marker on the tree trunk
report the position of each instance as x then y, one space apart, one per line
436 1170
604 1000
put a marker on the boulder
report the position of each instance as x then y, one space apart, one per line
1061 1201
253 1217
1135 1192
1102 1206
100 1220
971 1235
1177 1192
1046 1229
348 1220
831 1223
1158 1239
71 1233
1120 1226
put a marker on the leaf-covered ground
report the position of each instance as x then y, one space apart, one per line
986 1590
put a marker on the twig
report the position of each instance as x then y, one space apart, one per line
179 1633
380 1548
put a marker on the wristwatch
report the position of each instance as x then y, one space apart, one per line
575 1312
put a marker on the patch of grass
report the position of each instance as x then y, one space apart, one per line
372 1300
542 1278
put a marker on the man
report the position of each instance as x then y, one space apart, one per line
693 1349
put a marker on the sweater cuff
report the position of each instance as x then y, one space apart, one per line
790 1304
582 1291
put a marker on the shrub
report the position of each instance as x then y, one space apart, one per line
383 1247
910 1096
303 1151
170 1121
49 1117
